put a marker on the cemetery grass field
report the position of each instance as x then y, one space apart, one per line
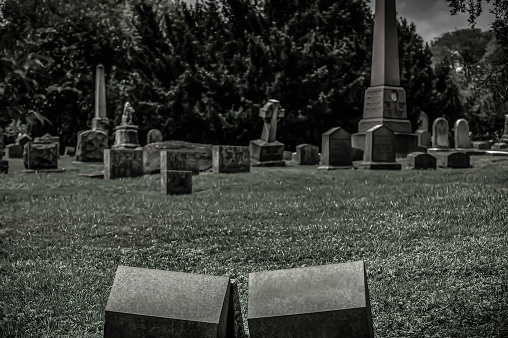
434 242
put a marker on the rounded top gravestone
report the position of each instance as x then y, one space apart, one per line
440 133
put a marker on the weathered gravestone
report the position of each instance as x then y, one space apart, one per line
119 163
266 151
91 146
440 134
380 149
48 138
420 160
180 160
40 156
307 154
157 303
230 159
461 134
175 182
4 165
14 151
454 159
126 134
318 301
151 154
424 136
336 151
503 142
154 135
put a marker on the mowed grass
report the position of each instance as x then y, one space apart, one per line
434 242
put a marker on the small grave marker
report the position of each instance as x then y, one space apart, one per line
153 136
120 163
180 160
421 160
336 151
40 156
461 134
230 159
307 154
454 159
176 182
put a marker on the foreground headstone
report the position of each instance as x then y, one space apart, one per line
424 136
151 154
175 182
318 301
421 160
380 149
336 151
454 159
40 156
230 159
158 303
14 151
461 134
91 146
120 163
126 134
266 151
180 160
307 154
154 135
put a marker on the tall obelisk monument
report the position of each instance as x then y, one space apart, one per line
385 100
100 120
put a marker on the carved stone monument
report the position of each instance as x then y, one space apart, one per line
119 163
317 301
336 151
385 100
40 156
153 136
380 149
48 138
176 182
266 151
424 136
503 142
126 134
421 160
158 303
307 154
230 159
92 143
461 135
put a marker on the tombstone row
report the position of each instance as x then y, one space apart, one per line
317 301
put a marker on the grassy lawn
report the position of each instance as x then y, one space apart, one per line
434 242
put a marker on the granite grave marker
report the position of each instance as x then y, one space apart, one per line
454 159
380 149
461 134
230 159
307 154
174 182
180 160
336 151
120 163
420 160
40 156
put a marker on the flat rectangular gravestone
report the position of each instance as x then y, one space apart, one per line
454 159
336 150
40 156
180 160
230 159
318 301
380 149
307 154
158 303
120 163
176 182
420 160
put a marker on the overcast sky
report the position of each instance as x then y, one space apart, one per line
433 18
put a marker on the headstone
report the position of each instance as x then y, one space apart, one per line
318 301
266 151
47 138
158 303
126 134
23 139
440 133
482 145
287 155
336 151
461 134
40 156
120 163
380 149
100 121
69 151
154 135
421 160
230 159
180 160
454 159
307 154
91 146
424 136
176 182
14 151
151 154
4 165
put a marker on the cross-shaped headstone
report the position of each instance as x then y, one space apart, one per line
271 113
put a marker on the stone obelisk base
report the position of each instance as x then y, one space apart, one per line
405 143
100 123
266 154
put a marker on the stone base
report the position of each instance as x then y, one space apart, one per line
263 151
482 145
356 154
496 153
420 160
381 165
99 174
402 126
331 167
91 146
437 151
471 151
405 143
385 105
4 167
499 146
100 123
43 171
256 163
126 137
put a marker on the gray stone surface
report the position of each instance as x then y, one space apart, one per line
380 149
14 151
151 154
126 134
336 151
122 163
153 136
230 159
440 133
461 134
454 159
40 156
91 146
319 301
174 182
267 149
48 138
307 154
158 303
421 160
180 160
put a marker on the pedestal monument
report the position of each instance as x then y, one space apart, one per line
92 143
385 100
126 134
